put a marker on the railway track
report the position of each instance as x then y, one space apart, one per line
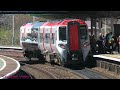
41 73
56 72
46 71
26 68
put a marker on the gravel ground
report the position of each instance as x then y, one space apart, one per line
37 74
59 73
112 74
91 74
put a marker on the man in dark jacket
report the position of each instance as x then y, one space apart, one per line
93 43
100 43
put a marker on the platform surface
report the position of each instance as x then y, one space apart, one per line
8 67
114 57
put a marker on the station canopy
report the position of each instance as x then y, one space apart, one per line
94 14
91 14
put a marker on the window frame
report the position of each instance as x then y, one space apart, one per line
82 34
64 34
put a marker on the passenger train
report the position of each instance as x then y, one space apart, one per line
66 42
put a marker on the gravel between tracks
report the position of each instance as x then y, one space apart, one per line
37 74
59 73
107 73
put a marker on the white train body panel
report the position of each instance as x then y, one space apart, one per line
25 40
50 44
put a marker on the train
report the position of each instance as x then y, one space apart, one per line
64 42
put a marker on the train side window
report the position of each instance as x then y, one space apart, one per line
83 32
53 38
55 35
62 33
34 35
47 37
41 37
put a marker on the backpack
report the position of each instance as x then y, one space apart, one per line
110 39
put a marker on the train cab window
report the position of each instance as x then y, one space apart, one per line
83 32
29 36
62 33
34 35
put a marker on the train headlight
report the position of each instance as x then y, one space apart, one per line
62 46
74 56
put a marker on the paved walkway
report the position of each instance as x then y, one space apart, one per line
8 67
2 64
10 47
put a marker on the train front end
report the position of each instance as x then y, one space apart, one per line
71 44
64 42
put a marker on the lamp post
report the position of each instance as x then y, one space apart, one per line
13 17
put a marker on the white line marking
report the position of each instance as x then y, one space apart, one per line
14 71
10 47
4 62
105 57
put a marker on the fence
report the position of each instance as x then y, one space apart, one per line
10 28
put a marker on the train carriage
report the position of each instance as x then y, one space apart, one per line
30 42
64 42
24 31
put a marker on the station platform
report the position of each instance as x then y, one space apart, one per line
10 47
113 57
8 67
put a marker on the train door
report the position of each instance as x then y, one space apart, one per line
73 35
73 42
41 38
47 39
52 39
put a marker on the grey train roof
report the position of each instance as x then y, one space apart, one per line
37 24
